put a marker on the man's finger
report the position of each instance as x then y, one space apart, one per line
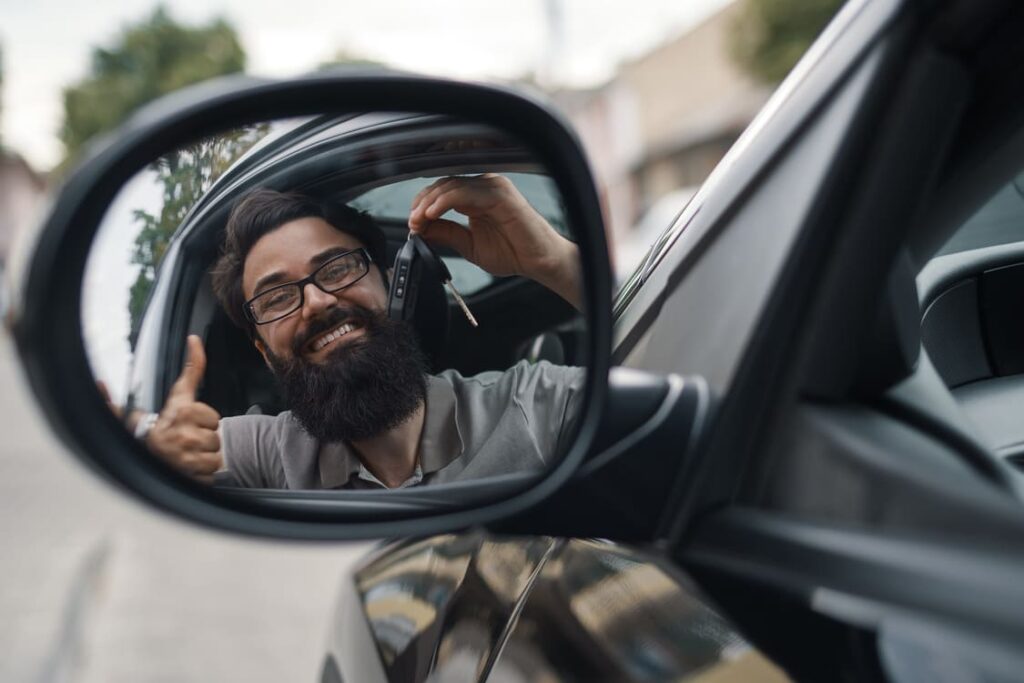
192 373
449 234
464 198
201 441
430 189
201 463
426 197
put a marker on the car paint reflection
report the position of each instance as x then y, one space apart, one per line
475 607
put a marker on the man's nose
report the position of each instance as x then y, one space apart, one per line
316 300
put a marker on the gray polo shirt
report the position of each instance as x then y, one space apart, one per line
489 424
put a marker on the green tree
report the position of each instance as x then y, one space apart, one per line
344 57
185 176
150 59
768 37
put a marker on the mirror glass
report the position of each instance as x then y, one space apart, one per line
361 301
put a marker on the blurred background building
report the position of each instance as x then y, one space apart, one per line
21 188
656 130
21 191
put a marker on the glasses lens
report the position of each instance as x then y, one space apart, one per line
342 271
276 303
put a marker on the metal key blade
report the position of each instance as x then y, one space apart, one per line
462 303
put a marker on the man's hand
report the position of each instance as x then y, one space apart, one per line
506 235
185 434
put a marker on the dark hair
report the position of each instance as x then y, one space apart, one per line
262 211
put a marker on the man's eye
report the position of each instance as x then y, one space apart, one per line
335 272
278 299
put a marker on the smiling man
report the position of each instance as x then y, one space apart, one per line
307 281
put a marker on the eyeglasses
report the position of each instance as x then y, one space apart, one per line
344 270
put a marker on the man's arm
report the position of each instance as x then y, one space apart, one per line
506 235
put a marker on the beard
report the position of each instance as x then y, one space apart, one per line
363 388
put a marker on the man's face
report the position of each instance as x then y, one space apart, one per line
347 370
289 253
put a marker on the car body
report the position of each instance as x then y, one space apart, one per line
825 482
432 608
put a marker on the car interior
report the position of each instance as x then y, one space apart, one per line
377 171
943 360
972 325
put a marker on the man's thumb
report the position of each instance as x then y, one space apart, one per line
195 366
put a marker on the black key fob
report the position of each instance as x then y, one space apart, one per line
417 294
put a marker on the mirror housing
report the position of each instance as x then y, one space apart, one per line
45 315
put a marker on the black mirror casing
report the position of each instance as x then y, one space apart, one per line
45 315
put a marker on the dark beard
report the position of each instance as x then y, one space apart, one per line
364 388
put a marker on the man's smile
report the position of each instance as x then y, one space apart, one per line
331 337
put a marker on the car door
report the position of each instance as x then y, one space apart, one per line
841 513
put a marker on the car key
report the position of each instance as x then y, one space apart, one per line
461 302
413 260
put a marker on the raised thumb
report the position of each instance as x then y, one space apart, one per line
192 373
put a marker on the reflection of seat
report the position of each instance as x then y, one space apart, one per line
237 378
545 346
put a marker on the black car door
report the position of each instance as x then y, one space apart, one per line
841 511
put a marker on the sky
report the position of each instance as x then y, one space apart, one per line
47 43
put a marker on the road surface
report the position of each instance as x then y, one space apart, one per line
98 588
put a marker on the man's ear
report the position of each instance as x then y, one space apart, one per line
262 348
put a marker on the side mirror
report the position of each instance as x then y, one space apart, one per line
120 276
203 318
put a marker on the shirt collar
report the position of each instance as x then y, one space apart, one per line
440 442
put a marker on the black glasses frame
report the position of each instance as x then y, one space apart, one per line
250 314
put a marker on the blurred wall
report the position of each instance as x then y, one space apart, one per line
21 189
665 119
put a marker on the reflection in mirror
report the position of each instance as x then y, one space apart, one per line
359 301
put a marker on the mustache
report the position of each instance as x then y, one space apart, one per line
358 315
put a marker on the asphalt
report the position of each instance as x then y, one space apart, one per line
97 587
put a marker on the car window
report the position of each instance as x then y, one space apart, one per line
999 221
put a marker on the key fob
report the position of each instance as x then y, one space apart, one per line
417 295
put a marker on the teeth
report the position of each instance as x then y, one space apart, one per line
332 335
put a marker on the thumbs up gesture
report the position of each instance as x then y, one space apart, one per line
185 433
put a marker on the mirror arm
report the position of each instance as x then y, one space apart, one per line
650 426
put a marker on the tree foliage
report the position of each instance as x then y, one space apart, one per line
768 37
184 177
343 57
150 59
